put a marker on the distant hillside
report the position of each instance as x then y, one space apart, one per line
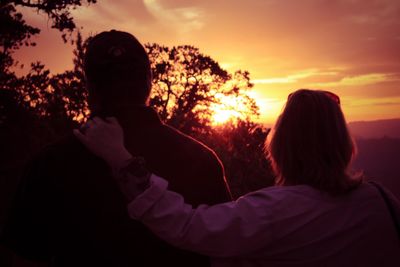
375 129
380 161
378 145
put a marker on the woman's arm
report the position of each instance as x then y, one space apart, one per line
225 230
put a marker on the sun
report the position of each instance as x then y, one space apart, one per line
222 116
229 108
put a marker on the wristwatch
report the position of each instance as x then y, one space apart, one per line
136 167
134 178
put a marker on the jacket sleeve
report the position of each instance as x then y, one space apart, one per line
27 227
224 230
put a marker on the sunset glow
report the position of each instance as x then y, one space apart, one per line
230 108
223 116
348 47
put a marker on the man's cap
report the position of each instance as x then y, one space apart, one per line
115 49
117 66
115 46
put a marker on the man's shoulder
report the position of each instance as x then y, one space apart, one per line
166 145
64 153
191 168
184 142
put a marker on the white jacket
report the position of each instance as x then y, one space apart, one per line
276 226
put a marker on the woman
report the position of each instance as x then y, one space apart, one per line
318 214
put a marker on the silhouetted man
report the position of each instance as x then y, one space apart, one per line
69 210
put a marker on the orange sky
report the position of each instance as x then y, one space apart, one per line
351 47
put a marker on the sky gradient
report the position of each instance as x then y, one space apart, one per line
351 47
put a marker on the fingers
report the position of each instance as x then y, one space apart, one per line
112 120
96 126
98 120
90 122
80 136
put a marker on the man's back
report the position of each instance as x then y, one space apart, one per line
69 206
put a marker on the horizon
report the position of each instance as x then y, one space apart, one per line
348 122
348 48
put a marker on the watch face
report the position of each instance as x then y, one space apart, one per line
137 167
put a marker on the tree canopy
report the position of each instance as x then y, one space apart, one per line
188 86
15 32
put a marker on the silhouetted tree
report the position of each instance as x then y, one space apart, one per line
186 85
58 12
59 98
72 87
241 149
38 89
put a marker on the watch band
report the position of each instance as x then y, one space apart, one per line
134 178
136 166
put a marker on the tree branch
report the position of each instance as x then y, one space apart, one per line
28 4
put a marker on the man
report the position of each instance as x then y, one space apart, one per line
69 210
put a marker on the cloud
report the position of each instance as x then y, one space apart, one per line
360 80
122 14
294 78
363 19
182 19
365 102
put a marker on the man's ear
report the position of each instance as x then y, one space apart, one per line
95 104
94 100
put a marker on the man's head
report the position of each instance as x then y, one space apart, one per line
117 71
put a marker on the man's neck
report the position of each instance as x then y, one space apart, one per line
132 115
119 111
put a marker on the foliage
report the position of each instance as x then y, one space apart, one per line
60 97
187 85
15 32
240 147
58 12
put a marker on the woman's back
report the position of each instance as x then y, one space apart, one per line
311 228
277 226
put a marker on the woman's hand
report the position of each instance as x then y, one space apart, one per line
105 139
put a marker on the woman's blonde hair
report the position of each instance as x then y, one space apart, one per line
311 144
